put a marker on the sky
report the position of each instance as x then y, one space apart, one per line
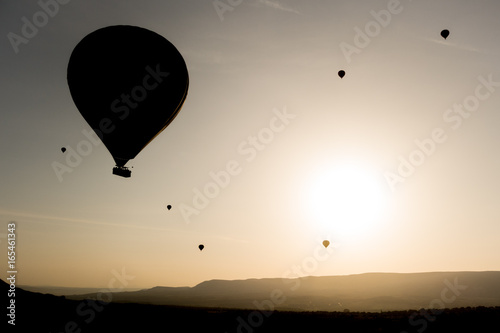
396 164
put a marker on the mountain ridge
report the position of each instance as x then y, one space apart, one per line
36 312
357 292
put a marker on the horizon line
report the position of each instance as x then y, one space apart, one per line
262 278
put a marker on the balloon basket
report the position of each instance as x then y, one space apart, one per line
122 171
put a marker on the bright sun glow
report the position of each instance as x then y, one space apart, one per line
346 200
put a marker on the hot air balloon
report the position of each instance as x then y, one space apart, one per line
341 73
326 243
201 247
445 33
63 149
129 84
169 207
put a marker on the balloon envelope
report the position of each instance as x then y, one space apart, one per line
128 83
341 73
445 33
63 149
326 243
201 247
169 207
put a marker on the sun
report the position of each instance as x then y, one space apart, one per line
347 200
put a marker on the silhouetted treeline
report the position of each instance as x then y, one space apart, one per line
47 313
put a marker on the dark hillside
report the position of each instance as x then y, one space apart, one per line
46 313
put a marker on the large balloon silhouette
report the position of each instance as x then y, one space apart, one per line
326 243
128 83
201 247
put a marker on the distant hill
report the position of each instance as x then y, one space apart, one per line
36 312
61 291
361 292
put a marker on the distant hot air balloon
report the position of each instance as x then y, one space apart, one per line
341 73
326 243
169 207
63 149
129 84
201 247
445 33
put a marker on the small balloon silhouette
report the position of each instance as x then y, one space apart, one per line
169 207
201 247
63 149
445 33
341 73
326 243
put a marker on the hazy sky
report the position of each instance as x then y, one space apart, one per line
396 164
